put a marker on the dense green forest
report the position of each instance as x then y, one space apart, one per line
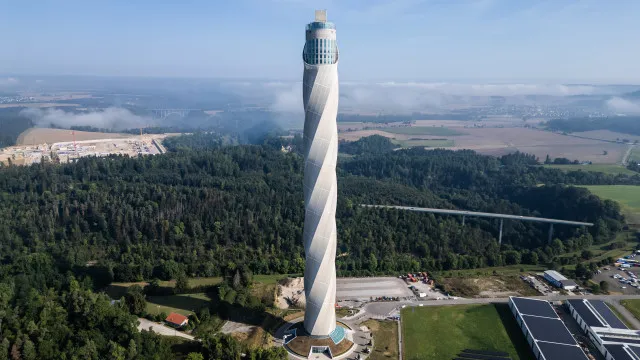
12 124
621 124
209 206
243 204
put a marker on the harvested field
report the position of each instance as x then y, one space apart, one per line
36 136
433 143
495 141
422 130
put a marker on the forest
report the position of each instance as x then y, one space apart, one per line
210 205
621 124
12 124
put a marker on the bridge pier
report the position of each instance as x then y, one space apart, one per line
550 233
500 236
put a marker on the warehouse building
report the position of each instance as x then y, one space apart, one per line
558 280
547 335
605 330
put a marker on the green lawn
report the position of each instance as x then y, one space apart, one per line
184 304
633 305
441 332
385 337
434 143
603 168
628 196
421 130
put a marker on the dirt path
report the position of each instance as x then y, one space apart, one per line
161 329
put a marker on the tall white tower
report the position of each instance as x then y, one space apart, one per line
320 97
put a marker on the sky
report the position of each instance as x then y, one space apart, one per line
554 41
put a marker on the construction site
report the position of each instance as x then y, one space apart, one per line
68 151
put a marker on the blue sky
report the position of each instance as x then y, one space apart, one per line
389 40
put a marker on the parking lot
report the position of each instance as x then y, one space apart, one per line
367 288
614 284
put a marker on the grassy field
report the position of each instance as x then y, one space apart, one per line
633 305
603 251
385 337
603 168
434 143
184 304
421 130
628 196
442 332
498 271
635 154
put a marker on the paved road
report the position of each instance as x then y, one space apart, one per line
161 329
383 309
625 158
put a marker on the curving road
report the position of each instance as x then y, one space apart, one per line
625 158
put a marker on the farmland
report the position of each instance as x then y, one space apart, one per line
628 196
442 332
495 138
35 136
421 130
433 143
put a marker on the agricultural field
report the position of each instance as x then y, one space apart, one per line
603 168
628 196
421 130
496 139
385 337
35 136
442 332
433 143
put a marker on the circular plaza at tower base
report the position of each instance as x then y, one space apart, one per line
300 343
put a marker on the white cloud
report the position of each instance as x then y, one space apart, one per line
109 118
10 81
622 106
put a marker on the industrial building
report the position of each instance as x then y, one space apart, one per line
605 330
558 280
547 335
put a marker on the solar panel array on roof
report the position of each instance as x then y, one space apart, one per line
534 307
545 329
618 352
486 352
553 351
483 355
635 350
585 313
608 315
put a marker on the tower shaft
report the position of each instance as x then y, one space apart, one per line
320 97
